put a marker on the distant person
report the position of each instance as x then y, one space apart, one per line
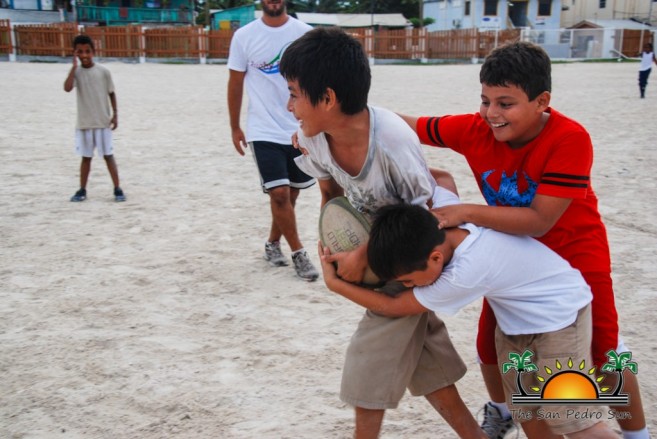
647 58
95 122
255 52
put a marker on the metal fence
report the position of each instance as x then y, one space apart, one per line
196 43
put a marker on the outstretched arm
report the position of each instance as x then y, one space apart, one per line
410 120
404 304
535 220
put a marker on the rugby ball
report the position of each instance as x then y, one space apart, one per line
342 228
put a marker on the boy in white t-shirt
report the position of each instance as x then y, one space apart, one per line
541 303
370 155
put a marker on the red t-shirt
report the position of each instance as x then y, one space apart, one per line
556 163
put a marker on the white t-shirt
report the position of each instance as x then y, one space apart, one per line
530 288
646 60
257 49
394 172
93 86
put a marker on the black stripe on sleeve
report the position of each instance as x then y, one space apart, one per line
563 183
567 176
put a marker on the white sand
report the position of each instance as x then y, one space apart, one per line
159 318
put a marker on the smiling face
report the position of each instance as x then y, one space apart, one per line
273 8
86 55
310 117
510 114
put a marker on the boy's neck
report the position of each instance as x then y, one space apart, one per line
453 238
349 140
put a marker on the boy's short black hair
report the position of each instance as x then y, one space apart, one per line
401 240
522 64
83 39
329 58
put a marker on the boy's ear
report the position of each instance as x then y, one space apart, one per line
543 100
330 98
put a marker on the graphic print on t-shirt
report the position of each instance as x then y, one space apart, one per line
508 193
271 67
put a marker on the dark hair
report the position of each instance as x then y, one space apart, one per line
83 39
522 64
401 240
329 58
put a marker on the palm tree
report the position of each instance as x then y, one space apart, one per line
522 364
618 363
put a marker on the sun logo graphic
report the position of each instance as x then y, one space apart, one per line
569 383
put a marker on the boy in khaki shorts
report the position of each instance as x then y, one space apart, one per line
373 157
542 304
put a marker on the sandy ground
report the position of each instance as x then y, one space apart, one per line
159 318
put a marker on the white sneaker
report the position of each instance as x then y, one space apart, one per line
274 255
304 268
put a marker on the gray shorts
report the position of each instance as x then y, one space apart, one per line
572 342
388 355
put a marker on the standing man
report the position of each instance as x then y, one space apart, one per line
255 53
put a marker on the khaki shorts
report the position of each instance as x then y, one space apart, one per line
572 342
387 355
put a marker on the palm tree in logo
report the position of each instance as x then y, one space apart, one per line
618 363
522 364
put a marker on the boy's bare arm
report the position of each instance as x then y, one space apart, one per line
329 190
114 124
535 220
70 79
235 95
410 120
404 304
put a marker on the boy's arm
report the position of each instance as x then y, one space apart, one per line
351 265
535 220
114 123
410 120
404 304
70 79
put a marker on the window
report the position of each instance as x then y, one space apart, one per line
603 4
490 7
544 8
467 8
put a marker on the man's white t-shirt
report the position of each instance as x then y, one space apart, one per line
394 171
531 289
257 49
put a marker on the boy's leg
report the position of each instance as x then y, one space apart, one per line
284 223
450 406
85 168
605 337
368 423
113 170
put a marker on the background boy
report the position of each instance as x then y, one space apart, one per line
95 123
372 156
541 302
533 167
253 60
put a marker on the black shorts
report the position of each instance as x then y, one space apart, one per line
276 166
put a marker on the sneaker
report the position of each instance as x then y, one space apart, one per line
274 255
304 268
80 195
494 425
118 194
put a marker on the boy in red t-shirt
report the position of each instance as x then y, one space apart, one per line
533 166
